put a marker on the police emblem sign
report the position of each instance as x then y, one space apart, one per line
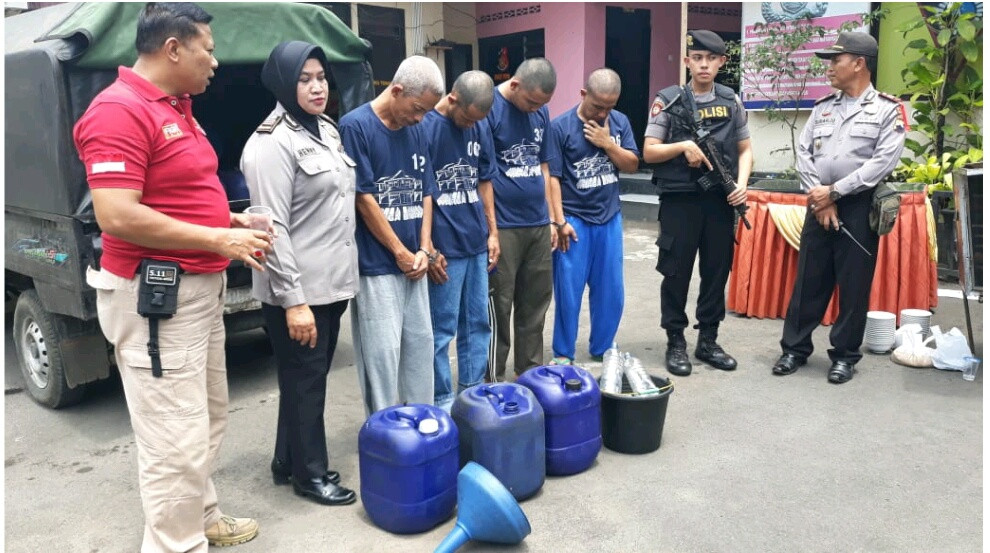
756 90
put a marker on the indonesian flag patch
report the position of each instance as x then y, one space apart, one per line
107 163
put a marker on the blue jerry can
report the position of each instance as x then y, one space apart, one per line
408 460
501 429
571 404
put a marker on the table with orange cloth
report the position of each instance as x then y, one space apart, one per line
764 267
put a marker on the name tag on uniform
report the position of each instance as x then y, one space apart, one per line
171 131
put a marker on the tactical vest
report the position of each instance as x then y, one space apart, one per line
718 117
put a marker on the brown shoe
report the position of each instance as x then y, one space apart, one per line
232 531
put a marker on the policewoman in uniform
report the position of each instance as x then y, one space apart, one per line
294 163
851 142
696 223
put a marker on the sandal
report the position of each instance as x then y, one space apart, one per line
561 361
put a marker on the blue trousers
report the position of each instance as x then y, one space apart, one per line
594 261
460 306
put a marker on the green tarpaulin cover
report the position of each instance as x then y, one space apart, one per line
244 32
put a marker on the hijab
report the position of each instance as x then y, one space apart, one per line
280 75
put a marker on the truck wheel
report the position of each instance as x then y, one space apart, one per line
39 353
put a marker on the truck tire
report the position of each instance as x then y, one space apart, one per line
39 354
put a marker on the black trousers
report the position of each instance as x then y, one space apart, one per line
301 439
829 258
694 225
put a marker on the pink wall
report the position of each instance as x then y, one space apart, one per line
575 38
594 39
564 25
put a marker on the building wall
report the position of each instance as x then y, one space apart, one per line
459 26
715 16
430 27
575 39
665 23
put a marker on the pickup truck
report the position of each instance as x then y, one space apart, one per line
57 59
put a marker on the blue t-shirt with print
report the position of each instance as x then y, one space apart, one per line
589 182
518 138
394 167
460 159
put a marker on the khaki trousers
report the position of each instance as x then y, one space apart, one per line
178 419
522 281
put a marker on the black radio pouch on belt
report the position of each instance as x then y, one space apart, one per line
158 298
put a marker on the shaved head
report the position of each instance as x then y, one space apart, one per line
603 82
475 88
537 74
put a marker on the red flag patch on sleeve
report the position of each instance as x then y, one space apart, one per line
904 117
657 108
107 163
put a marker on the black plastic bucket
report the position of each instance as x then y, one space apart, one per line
634 424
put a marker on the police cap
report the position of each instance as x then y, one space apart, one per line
705 40
861 44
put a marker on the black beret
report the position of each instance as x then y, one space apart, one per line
860 44
705 40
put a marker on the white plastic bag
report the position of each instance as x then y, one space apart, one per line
913 350
951 349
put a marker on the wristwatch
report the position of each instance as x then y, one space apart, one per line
833 194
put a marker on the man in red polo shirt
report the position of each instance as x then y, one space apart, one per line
156 196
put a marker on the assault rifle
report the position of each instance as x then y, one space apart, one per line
719 177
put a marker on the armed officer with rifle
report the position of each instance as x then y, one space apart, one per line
699 140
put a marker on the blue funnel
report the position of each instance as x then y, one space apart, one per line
486 511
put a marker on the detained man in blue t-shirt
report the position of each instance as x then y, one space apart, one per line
589 145
465 237
390 317
525 205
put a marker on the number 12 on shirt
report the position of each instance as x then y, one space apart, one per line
419 162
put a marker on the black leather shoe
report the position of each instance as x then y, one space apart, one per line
678 363
787 364
841 372
713 354
282 475
321 491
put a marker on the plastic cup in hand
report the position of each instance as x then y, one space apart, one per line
972 367
259 218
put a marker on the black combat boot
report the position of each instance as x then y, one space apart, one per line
712 353
678 363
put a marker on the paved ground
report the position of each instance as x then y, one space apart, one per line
891 461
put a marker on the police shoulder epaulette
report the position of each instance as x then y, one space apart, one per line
291 122
268 125
890 97
823 98
670 92
725 92
328 119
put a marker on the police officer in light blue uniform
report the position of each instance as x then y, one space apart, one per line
852 141
696 223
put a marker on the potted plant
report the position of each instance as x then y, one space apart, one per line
946 99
